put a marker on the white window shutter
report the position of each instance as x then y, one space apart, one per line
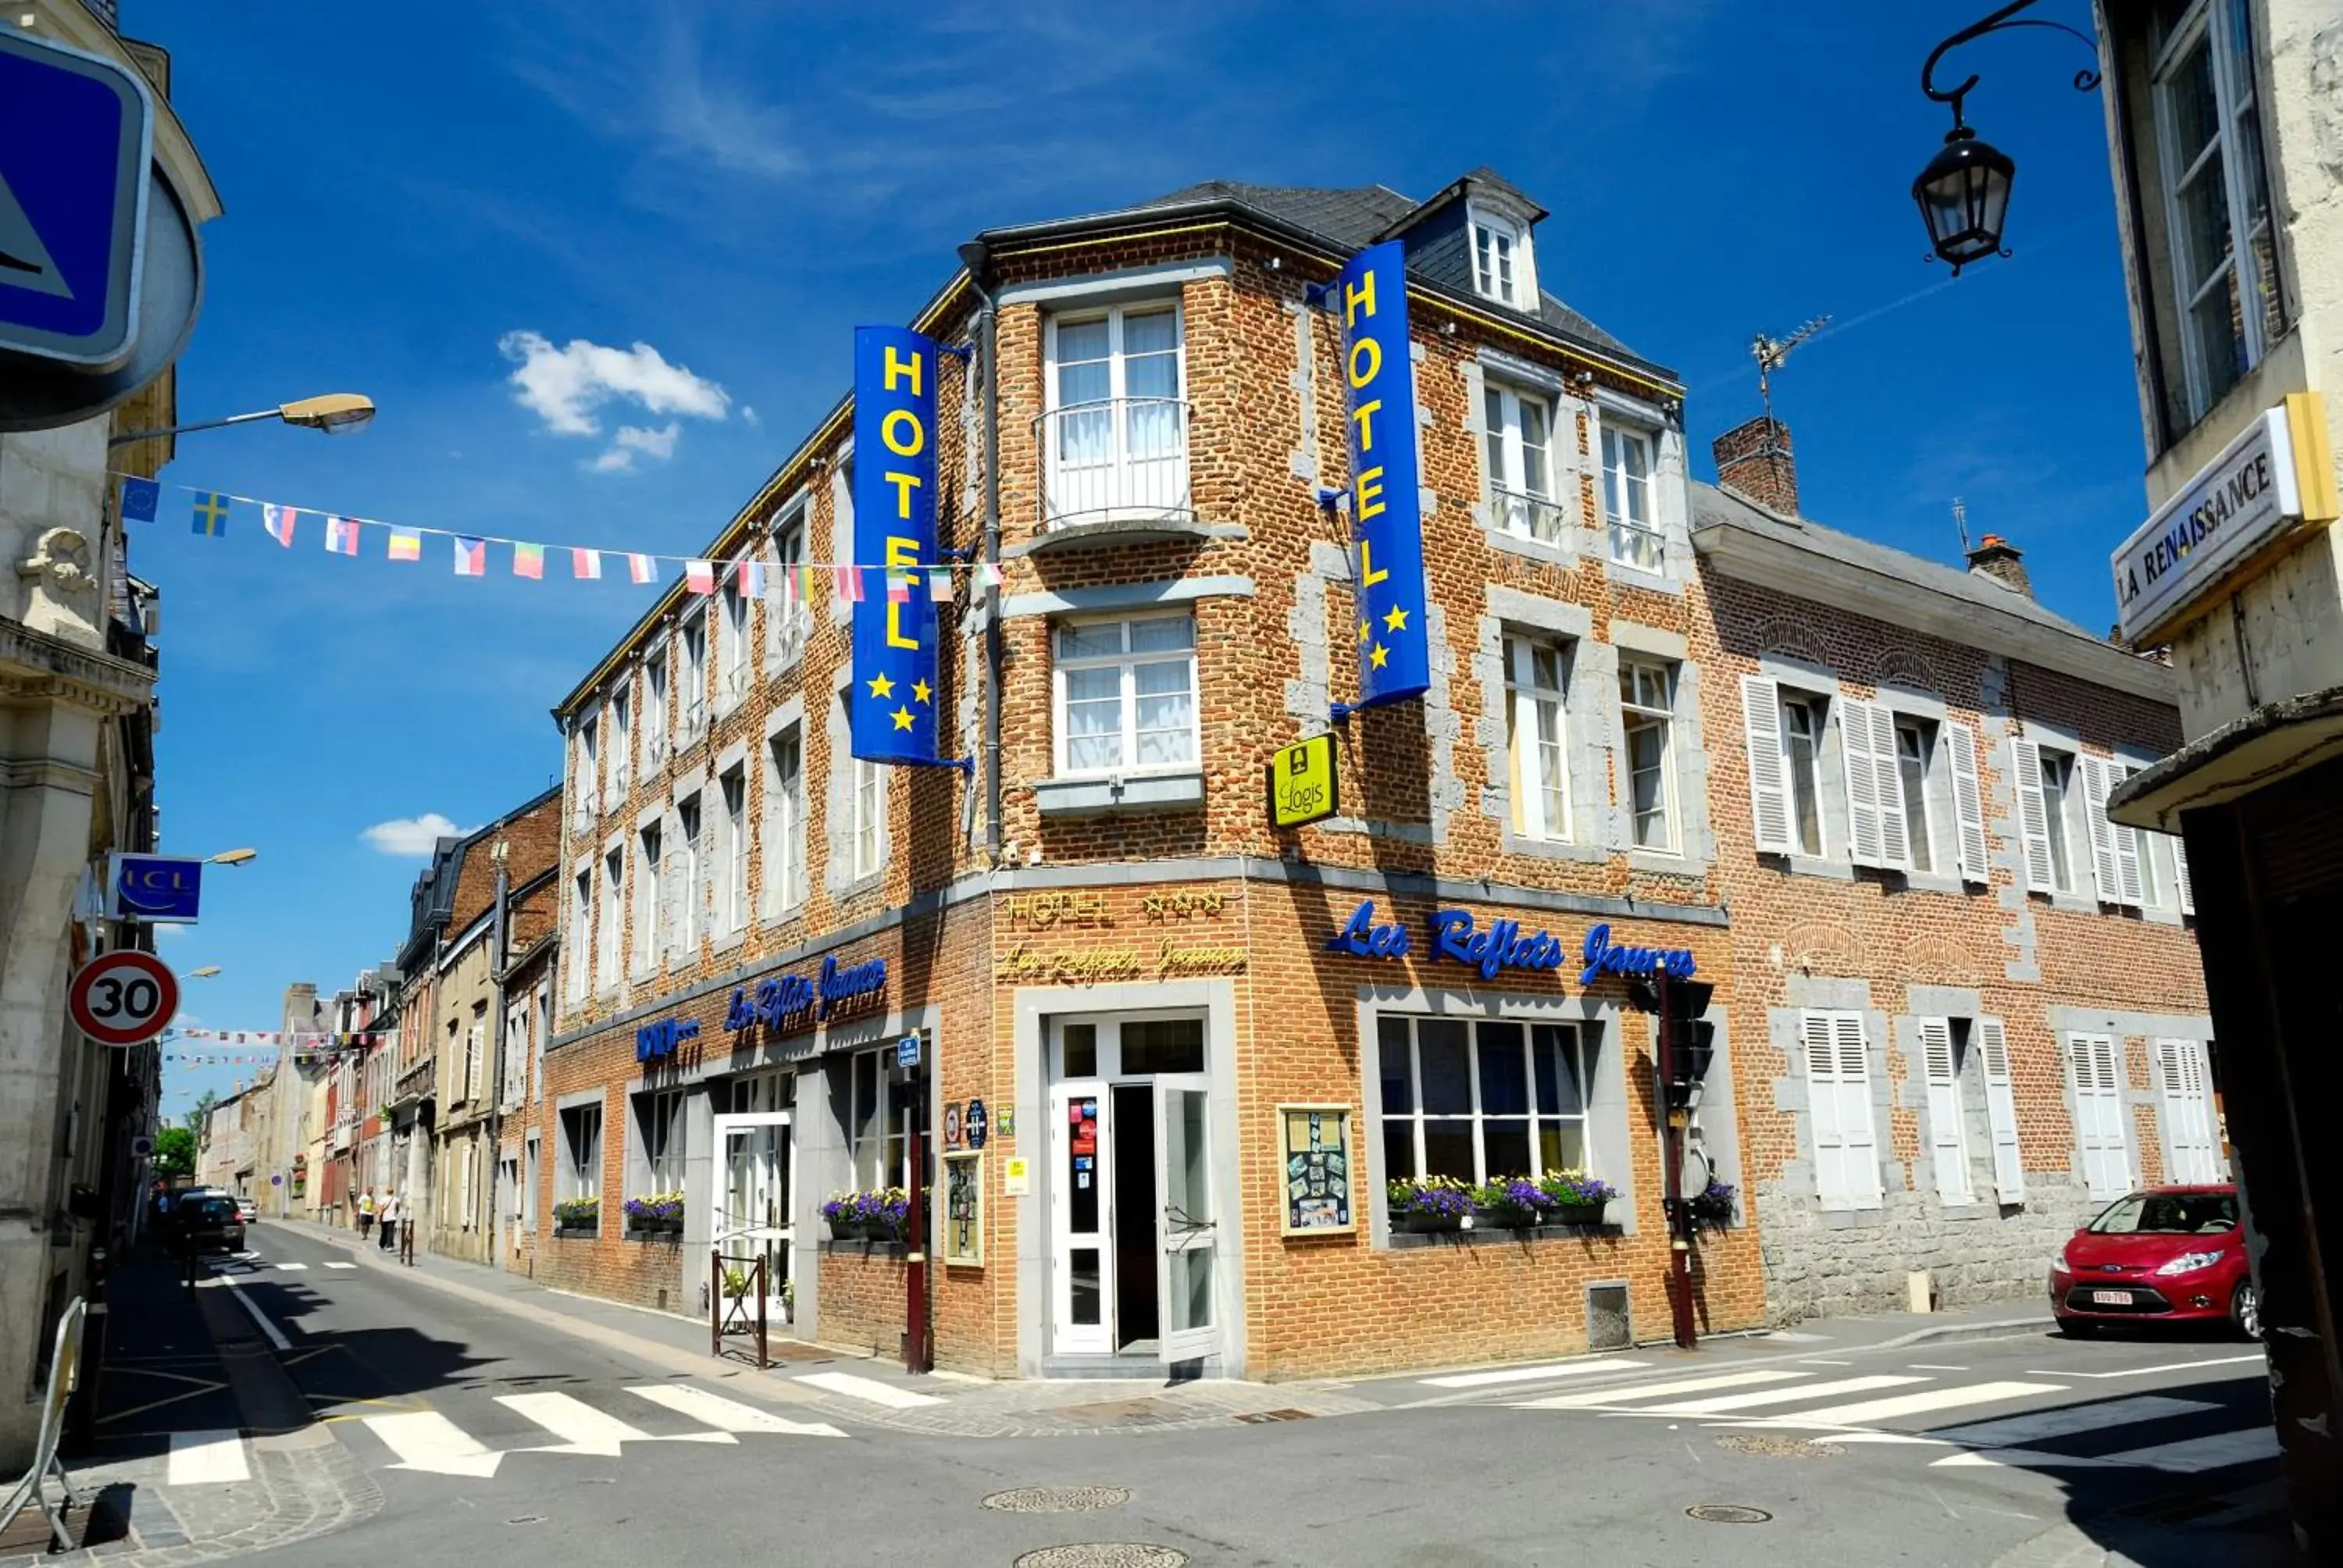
2001 1112
1854 1109
1769 790
1948 1139
671 897
1959 742
1823 1110
2129 849
1864 847
2033 813
2100 1115
1894 840
2186 1100
2180 876
2104 869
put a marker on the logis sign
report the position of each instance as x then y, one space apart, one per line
1457 938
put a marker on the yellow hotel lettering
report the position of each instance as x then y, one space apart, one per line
902 435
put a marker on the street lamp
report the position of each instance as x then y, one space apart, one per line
204 973
233 857
335 412
1964 193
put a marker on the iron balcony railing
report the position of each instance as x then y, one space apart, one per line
1637 545
1538 518
1117 458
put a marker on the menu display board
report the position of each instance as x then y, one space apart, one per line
964 1208
1316 1143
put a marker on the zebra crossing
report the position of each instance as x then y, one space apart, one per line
603 1423
2172 1431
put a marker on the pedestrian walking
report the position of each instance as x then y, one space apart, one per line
388 1216
366 1212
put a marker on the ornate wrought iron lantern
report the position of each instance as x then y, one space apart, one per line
1964 193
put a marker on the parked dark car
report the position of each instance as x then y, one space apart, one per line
2168 1254
209 1222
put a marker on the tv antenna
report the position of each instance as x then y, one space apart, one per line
1961 521
1770 352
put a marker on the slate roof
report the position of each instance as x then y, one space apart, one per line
1349 219
1713 507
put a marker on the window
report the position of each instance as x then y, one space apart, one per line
866 806
476 1054
2001 1112
1482 1098
2044 780
512 1066
581 926
1635 539
1126 695
690 866
2226 296
1646 705
2120 864
878 1123
1116 425
622 741
650 892
1839 1104
694 677
655 710
582 1151
1519 430
1493 240
1916 746
2184 1082
1944 1050
658 1133
732 901
531 1160
1801 752
2098 1079
539 1035
589 765
1536 676
1878 822
732 646
785 619
606 948
784 822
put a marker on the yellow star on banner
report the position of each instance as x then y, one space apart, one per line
903 719
1363 631
1396 620
920 691
1378 656
881 686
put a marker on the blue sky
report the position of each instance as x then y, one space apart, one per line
424 199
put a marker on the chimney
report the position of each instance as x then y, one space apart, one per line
1998 559
1754 462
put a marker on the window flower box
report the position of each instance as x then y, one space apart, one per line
1428 1204
656 1214
577 1216
878 1216
1711 1207
1573 1198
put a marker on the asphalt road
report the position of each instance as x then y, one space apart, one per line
511 1471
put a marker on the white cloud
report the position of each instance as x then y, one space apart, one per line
657 444
411 836
564 387
748 415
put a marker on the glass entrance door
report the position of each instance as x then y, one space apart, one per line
1187 1223
755 1164
1081 1246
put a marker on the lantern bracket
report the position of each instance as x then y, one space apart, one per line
2007 18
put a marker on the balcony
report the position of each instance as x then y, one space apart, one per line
1526 516
1636 544
585 813
1117 467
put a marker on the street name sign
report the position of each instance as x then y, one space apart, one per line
77 135
124 998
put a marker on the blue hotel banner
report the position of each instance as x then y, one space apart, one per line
894 703
1386 489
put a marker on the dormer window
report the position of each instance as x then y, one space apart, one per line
1500 260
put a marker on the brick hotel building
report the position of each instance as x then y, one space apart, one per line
1099 940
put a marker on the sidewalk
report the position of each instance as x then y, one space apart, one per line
857 1388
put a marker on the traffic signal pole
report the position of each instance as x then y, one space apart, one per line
1672 1130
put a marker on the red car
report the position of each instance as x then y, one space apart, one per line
2170 1255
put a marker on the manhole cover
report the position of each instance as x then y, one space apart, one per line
1780 1447
1727 1514
1258 1416
1104 1554
1113 1409
1058 1498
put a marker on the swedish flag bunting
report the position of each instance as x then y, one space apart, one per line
211 514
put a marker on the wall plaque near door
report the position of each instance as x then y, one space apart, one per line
964 1209
1316 1141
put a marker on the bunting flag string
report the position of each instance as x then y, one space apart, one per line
304 1039
792 583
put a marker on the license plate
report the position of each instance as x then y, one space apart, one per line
2111 1297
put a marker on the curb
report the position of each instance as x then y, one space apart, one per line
2000 1328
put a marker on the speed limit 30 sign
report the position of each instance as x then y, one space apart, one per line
122 998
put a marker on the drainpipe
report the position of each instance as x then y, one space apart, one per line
974 257
498 939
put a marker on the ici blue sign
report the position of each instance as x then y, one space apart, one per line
1501 945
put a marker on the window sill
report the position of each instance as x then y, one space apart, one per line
793 910
2072 903
864 1248
1932 883
1808 865
1131 792
866 883
577 1233
1419 1241
1554 553
728 942
1848 1218
1628 576
1665 862
1130 526
1554 848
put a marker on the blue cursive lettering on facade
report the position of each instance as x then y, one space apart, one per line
841 986
1604 958
657 1041
1364 939
1501 947
779 999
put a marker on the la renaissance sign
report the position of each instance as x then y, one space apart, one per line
2275 474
